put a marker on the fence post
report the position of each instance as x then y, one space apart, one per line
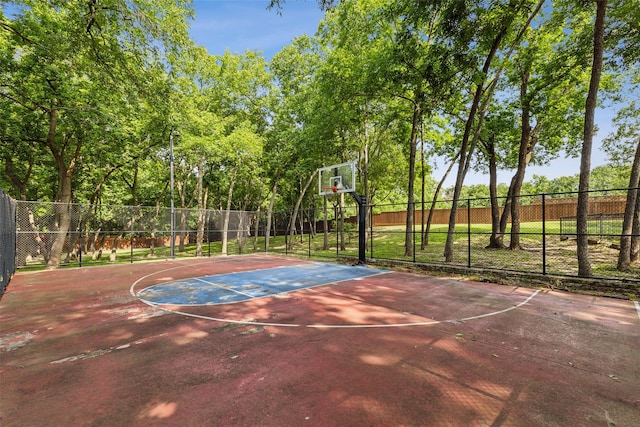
370 210
238 233
335 220
266 231
80 244
208 222
544 234
468 233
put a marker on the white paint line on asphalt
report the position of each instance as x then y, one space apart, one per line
328 326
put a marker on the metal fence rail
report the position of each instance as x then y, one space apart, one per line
543 243
7 240
92 233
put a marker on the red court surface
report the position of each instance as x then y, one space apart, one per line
78 348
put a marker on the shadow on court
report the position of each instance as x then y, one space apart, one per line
91 347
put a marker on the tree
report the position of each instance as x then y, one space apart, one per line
219 110
629 246
584 264
547 76
507 19
299 136
400 51
61 66
624 40
620 148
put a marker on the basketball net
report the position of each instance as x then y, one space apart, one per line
330 188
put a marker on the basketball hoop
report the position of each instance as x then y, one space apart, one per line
330 190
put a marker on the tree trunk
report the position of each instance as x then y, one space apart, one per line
74 234
154 220
292 220
436 194
267 229
624 257
415 123
225 222
584 264
183 204
448 248
301 223
422 188
528 141
493 193
635 240
256 228
65 174
184 233
243 230
114 246
518 178
92 242
506 215
202 222
202 206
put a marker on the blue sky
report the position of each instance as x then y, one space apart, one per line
240 25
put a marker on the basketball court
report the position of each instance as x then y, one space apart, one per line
270 341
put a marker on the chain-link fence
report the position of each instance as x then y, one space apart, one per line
600 226
542 239
533 233
7 240
76 234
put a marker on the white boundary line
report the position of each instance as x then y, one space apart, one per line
353 326
326 326
637 304
134 284
239 322
226 288
434 322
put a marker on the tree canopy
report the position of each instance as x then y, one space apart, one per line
91 93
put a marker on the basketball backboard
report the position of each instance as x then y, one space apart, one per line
337 179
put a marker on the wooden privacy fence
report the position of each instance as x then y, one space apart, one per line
555 209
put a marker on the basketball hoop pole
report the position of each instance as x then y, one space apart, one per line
362 227
342 179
